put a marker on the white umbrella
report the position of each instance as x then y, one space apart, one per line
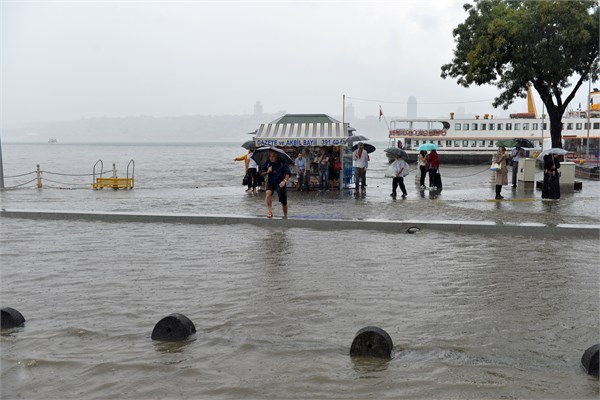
554 150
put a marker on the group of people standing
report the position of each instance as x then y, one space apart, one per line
277 173
429 164
328 166
551 182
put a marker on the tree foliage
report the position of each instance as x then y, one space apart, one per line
508 43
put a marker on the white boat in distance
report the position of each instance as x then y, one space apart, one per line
473 140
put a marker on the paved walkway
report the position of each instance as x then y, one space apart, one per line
409 226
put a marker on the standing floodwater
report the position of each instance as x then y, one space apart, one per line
471 316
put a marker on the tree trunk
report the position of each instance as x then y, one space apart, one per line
556 128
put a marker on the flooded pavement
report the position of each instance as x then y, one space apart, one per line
472 316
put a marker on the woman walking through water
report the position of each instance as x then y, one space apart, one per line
502 172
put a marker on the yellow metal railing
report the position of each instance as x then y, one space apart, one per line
113 183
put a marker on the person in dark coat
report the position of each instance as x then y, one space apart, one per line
551 184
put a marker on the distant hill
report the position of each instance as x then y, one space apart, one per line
147 129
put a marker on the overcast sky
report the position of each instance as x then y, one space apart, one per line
72 59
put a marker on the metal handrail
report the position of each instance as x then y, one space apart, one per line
132 163
101 170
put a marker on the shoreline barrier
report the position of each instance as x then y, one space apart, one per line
395 226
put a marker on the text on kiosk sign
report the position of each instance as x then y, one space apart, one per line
300 142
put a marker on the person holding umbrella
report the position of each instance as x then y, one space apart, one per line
252 173
433 162
551 184
400 169
422 162
360 158
516 155
278 173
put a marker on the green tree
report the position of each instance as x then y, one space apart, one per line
509 43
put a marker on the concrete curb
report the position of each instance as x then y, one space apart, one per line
471 227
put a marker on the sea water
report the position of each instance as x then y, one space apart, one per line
471 316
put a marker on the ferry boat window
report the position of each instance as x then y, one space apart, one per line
457 127
587 125
492 127
578 125
483 127
456 143
499 127
482 143
596 125
466 127
570 126
448 143
474 127
508 126
491 143
544 125
534 126
440 143
473 143
465 143
526 126
517 127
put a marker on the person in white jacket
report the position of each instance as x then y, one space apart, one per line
361 160
400 169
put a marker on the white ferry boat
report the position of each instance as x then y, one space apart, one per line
473 140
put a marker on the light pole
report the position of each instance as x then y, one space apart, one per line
587 142
1 168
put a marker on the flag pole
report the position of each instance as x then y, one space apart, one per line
381 115
1 168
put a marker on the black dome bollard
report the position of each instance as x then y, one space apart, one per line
174 328
413 229
11 318
589 361
372 341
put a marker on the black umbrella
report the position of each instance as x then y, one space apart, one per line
395 151
249 145
516 142
261 155
520 142
357 138
368 147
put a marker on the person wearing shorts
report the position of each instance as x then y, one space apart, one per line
278 174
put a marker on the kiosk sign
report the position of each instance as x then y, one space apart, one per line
300 142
